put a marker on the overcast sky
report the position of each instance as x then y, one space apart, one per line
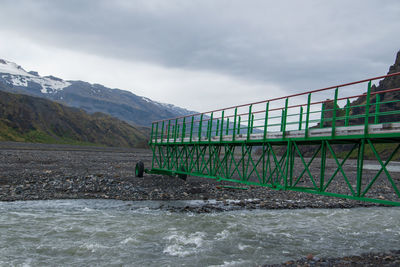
203 54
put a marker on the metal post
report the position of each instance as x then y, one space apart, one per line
211 122
321 124
191 129
360 164
346 121
252 123
234 125
334 113
151 134
151 141
249 123
156 133
282 116
200 126
238 130
301 118
287 163
292 153
263 164
377 106
175 130
222 126
266 120
208 129
169 127
183 129
367 109
227 126
323 163
285 118
162 131
307 115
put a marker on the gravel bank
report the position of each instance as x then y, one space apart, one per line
38 171
391 258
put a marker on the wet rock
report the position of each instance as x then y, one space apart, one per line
18 190
195 190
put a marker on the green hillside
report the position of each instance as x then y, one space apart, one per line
30 119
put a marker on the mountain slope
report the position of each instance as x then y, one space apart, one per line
385 84
124 105
33 119
357 107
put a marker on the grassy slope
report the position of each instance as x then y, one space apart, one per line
30 119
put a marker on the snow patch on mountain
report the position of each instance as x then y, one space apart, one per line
178 110
12 68
15 75
16 80
146 99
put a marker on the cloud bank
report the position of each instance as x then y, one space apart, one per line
203 54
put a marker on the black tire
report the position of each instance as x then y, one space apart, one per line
139 169
182 176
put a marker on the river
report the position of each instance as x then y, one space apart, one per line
147 233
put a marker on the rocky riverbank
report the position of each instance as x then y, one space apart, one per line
38 171
391 258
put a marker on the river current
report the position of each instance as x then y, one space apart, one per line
123 233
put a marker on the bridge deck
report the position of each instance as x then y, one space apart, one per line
344 131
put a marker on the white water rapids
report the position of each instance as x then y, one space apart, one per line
124 233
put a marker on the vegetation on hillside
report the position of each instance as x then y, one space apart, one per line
30 119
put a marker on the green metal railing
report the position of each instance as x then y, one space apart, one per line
221 144
281 115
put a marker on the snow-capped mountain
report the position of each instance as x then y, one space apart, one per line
122 104
14 75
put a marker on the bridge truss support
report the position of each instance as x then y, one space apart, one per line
298 166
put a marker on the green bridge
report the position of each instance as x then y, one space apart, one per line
320 142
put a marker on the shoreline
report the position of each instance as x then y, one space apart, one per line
389 258
164 188
45 171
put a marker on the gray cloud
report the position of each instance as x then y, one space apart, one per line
296 44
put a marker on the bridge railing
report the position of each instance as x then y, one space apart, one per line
324 112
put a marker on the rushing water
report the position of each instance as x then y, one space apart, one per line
391 167
110 232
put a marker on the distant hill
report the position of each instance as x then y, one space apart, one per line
31 119
136 110
356 109
385 84
357 106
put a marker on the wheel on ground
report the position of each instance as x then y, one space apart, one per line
181 175
139 169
